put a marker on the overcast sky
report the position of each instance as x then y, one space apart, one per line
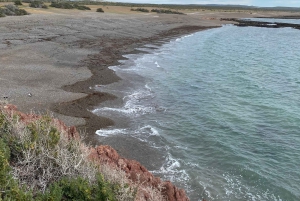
269 3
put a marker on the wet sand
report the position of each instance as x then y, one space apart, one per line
52 59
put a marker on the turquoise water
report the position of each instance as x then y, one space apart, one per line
222 106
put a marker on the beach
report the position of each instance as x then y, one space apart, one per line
51 60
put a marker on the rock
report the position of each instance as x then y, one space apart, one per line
136 172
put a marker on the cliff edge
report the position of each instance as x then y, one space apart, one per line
103 154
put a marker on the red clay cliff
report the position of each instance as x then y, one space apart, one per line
106 154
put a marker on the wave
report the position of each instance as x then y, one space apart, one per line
171 170
149 130
136 104
109 132
183 37
157 65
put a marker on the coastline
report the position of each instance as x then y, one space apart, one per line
74 95
104 76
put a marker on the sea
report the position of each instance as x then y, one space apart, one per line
221 107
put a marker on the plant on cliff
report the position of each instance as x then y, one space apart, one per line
51 164
40 159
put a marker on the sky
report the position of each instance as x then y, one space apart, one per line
261 3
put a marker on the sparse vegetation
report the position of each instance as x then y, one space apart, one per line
18 3
81 7
67 5
38 4
38 161
100 10
166 11
12 10
140 10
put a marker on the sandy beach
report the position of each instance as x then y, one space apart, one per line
51 60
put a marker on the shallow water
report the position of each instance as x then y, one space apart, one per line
222 107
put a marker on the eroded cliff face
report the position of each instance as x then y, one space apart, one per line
137 172
104 154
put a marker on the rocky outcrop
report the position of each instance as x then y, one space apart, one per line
106 154
136 172
244 23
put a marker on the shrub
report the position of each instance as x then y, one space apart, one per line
66 5
81 7
18 3
11 10
21 12
55 167
37 4
166 11
45 148
9 188
100 10
140 10
63 5
4 165
2 13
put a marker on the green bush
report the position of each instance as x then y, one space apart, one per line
100 10
166 11
4 165
66 5
63 5
9 188
81 7
12 10
52 166
79 189
18 3
8 138
38 4
140 10
2 13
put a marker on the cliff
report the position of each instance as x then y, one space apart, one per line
102 154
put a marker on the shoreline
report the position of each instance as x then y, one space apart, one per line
80 107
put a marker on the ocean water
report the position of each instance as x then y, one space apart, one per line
223 108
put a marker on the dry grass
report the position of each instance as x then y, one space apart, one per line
46 154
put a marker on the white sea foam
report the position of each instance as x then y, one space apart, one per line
171 171
150 130
133 104
114 68
136 110
148 88
183 37
117 68
157 65
109 132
